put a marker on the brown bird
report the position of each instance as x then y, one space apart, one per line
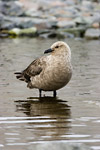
50 72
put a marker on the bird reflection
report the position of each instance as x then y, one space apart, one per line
51 115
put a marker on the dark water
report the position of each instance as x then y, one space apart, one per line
74 116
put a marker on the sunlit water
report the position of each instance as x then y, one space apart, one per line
74 116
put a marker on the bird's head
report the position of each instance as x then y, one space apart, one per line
59 48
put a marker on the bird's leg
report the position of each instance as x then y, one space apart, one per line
54 93
40 92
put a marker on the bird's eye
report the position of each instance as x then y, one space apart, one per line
56 46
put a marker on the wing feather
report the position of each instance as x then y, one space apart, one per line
35 68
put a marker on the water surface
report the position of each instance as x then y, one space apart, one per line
74 116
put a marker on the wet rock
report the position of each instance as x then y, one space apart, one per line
66 24
87 4
23 22
77 31
92 33
97 6
63 34
28 5
39 23
88 20
50 34
71 2
32 13
5 24
51 24
23 32
11 8
96 25
59 146
79 21
8 0
96 18
44 5
73 16
1 17
59 34
3 35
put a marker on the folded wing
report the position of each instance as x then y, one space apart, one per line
35 68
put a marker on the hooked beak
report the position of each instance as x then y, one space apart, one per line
48 51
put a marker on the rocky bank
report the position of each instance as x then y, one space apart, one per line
49 18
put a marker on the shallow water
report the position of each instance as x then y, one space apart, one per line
74 116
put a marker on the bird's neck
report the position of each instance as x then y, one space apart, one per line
62 55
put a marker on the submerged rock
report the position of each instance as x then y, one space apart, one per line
92 33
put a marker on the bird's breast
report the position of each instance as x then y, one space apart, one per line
56 76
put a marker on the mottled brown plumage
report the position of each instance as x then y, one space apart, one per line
49 73
33 69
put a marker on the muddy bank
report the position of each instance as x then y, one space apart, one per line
50 18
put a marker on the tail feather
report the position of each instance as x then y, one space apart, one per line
18 73
22 77
19 76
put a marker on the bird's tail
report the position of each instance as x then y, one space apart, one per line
19 75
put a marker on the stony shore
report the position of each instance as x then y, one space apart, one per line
49 18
